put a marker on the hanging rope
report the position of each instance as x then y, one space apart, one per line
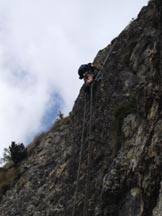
160 36
158 5
89 148
80 157
98 77
89 159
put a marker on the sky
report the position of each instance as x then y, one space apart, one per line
42 45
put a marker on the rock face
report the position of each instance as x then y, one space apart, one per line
105 159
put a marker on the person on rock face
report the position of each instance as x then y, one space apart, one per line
88 73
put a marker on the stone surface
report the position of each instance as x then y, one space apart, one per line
114 166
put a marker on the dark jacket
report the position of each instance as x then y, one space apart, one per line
85 68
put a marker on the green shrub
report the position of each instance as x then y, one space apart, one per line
60 115
6 156
18 152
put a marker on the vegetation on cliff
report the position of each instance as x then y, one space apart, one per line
104 159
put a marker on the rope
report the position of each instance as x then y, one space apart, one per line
90 130
80 158
160 35
89 156
158 6
89 150
98 77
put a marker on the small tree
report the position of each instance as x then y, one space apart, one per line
61 115
6 156
18 152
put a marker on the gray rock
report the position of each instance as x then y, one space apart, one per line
114 167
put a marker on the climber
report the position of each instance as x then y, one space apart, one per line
88 72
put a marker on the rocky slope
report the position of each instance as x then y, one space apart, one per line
104 159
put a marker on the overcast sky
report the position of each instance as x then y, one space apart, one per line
42 44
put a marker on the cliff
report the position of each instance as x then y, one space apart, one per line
105 159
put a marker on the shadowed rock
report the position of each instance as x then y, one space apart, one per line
114 166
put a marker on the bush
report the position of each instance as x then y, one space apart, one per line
17 152
60 115
6 156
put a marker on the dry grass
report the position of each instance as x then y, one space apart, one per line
59 122
8 165
7 178
36 141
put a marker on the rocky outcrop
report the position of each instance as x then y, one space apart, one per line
104 159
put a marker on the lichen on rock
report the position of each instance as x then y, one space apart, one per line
114 166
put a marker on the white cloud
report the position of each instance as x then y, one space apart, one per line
42 44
